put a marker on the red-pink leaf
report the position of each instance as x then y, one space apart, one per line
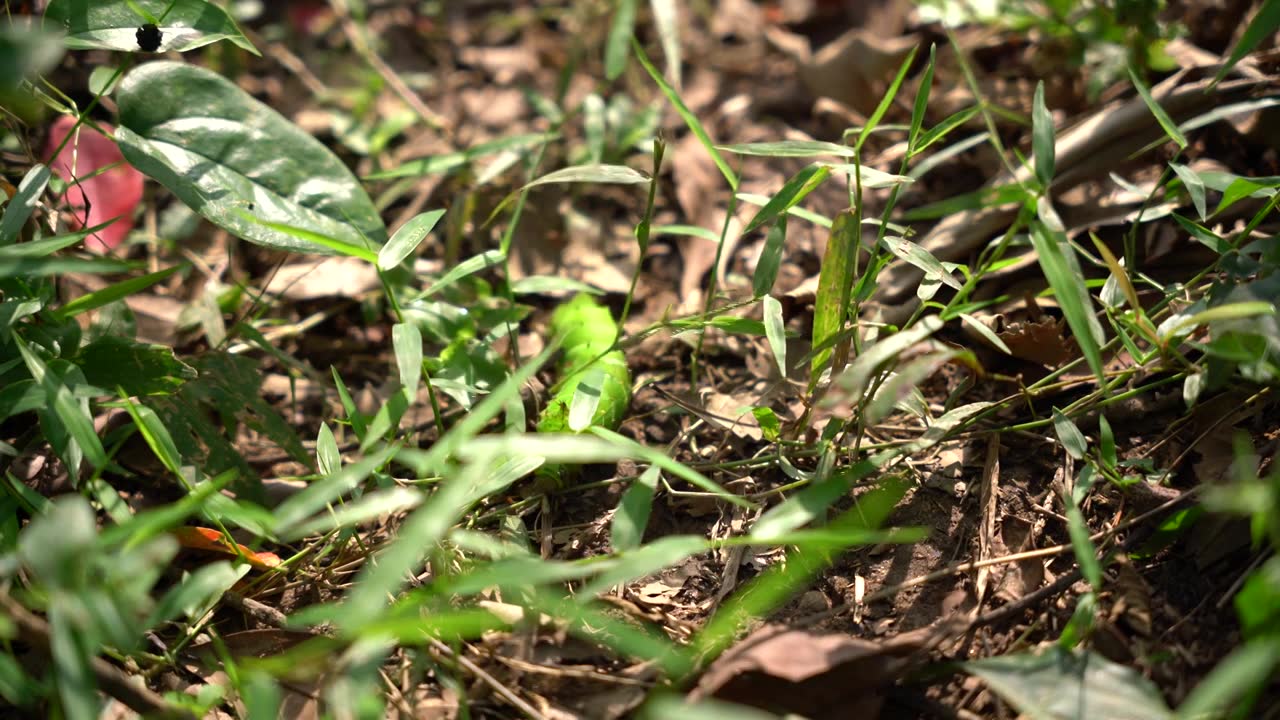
111 194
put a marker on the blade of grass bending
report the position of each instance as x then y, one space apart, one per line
885 101
684 472
1264 25
1162 117
1067 281
687 115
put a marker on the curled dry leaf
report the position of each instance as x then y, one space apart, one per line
110 194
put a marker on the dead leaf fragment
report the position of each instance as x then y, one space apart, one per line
818 675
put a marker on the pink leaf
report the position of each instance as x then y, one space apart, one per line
110 195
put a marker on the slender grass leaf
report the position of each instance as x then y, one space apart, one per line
156 435
872 179
328 457
790 149
1067 281
886 101
761 201
407 238
923 259
114 292
367 508
607 174
470 266
73 416
1166 123
791 193
626 532
225 154
684 472
666 19
942 130
770 259
594 124
1042 137
1264 25
448 162
776 333
1195 188
330 489
987 333
113 24
22 203
1069 435
837 267
406 340
60 266
1078 530
620 34
691 120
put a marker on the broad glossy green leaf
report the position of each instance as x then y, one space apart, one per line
1058 684
113 24
226 155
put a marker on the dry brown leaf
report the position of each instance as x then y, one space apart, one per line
817 675
1039 341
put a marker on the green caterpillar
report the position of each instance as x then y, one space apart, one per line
588 362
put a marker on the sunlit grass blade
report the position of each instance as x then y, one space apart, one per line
791 193
1166 123
828 307
620 34
691 120
1067 281
112 293
1042 138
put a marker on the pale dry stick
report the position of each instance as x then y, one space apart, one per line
502 690
389 75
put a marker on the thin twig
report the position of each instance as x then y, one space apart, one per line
489 680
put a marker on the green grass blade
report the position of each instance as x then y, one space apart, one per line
828 308
691 120
1042 138
1162 117
1064 276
